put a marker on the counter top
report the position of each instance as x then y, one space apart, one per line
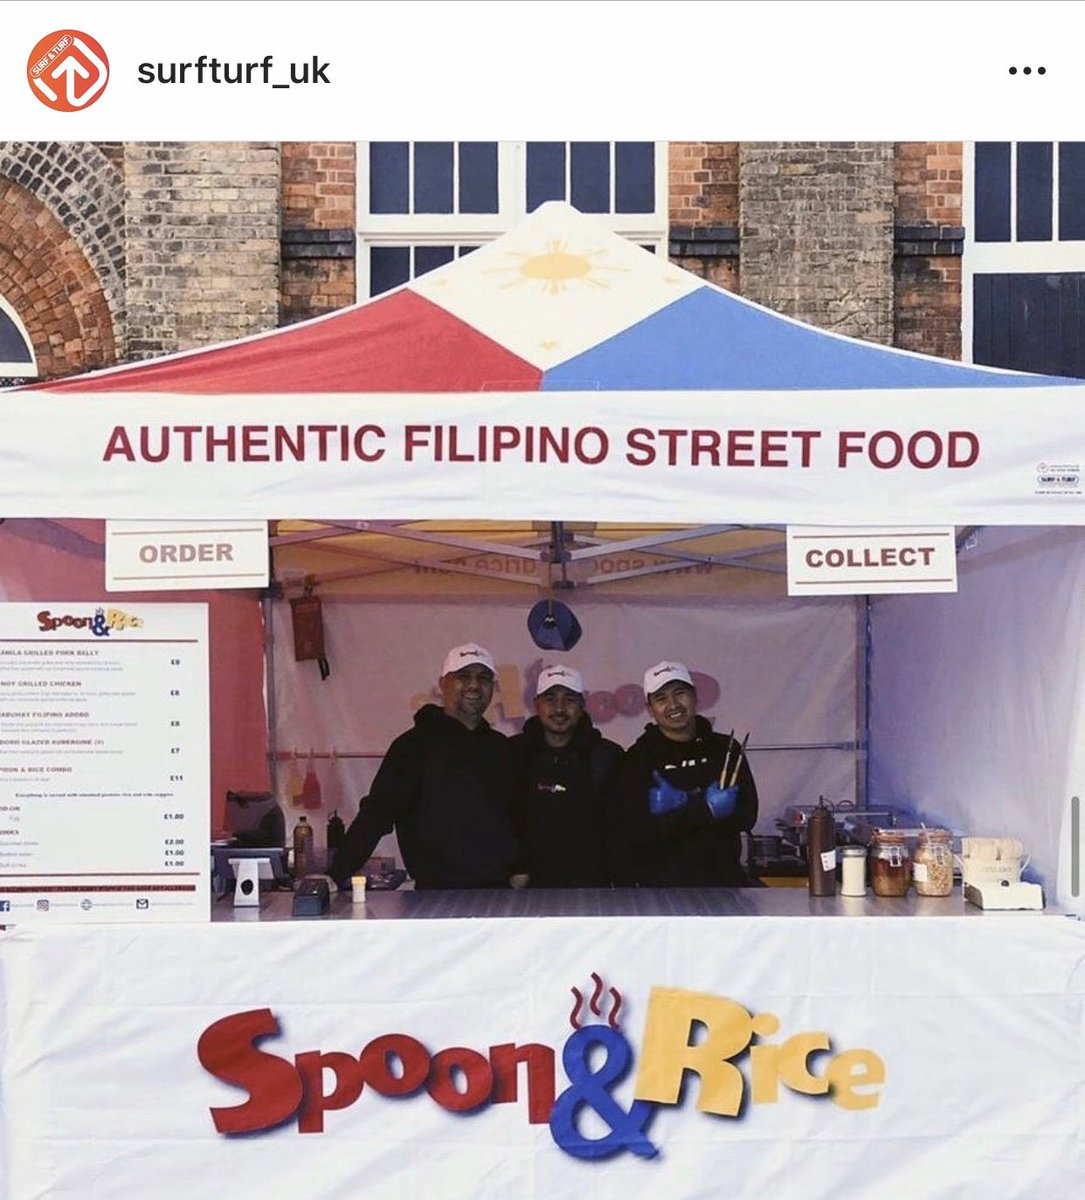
407 904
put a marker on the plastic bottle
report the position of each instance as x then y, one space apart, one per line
303 847
821 851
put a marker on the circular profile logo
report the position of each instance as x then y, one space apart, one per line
67 70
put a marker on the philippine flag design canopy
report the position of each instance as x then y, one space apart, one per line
560 303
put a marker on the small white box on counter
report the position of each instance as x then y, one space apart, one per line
1004 895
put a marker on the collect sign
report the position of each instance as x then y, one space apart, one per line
823 561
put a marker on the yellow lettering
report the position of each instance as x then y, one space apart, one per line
667 1052
791 1063
853 1069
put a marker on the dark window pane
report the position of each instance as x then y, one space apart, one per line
634 177
589 164
1034 185
12 347
462 250
388 177
992 191
1071 191
545 173
478 177
433 177
429 258
389 266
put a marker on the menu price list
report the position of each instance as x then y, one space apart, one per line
104 752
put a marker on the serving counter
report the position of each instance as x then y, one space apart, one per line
684 1043
602 902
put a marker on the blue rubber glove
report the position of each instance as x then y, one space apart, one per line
722 802
665 797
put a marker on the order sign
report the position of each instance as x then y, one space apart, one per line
104 762
827 561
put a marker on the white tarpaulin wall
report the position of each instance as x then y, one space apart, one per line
975 697
784 670
977 1022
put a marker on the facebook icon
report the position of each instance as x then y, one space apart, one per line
5 906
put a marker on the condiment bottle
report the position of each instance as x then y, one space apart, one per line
303 847
336 831
932 868
821 851
890 863
852 871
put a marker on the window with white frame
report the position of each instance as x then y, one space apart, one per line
1024 213
16 352
421 204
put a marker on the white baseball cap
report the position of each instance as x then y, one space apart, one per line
663 673
566 677
465 656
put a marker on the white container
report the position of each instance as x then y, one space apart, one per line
852 871
357 889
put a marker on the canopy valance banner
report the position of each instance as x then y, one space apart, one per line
939 456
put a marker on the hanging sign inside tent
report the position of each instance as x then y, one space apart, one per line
175 555
827 561
104 753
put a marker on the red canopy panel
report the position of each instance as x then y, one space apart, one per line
401 343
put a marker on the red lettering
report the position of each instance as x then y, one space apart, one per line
348 1086
415 437
360 450
705 441
227 1050
641 452
773 442
846 445
413 1059
119 445
739 444
805 436
896 449
254 446
966 457
539 1061
933 458
457 1061
583 436
671 437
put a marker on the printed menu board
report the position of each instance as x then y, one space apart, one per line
104 762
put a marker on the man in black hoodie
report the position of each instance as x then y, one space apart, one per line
678 822
566 771
445 786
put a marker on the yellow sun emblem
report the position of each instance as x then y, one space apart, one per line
557 267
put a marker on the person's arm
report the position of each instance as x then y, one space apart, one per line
394 787
640 827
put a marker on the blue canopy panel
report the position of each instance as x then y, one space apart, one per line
711 340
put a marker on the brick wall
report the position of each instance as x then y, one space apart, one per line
817 233
82 188
930 231
203 242
319 217
50 282
703 209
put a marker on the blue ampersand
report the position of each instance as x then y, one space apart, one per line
592 1089
98 625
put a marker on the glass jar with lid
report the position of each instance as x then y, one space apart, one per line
890 863
932 868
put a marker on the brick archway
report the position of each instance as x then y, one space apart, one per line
46 277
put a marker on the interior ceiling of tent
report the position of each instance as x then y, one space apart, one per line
388 557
